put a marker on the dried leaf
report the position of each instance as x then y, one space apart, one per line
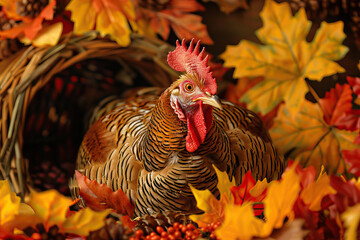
224 185
352 158
310 139
228 6
85 221
177 16
286 58
314 193
351 218
108 16
100 196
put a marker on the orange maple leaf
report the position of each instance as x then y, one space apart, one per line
176 14
28 26
100 196
107 16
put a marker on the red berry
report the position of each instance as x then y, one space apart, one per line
171 237
164 234
153 234
171 230
190 226
177 234
212 236
139 233
159 229
155 237
183 229
176 225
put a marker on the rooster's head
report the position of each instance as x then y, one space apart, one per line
193 94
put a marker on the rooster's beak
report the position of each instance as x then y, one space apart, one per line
210 100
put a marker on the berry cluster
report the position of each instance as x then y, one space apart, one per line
179 231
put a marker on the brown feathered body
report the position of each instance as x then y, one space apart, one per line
140 147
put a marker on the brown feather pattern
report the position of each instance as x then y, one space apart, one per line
140 147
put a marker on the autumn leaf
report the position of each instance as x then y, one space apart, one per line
240 223
50 206
352 158
310 140
314 193
85 221
286 58
351 218
228 6
214 210
29 27
280 198
107 16
355 85
48 36
337 108
100 196
243 192
176 14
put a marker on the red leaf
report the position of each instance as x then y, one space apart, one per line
355 84
352 157
336 103
241 193
307 175
100 196
311 218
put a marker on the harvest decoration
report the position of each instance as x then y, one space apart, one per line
317 197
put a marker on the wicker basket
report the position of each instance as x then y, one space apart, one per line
25 73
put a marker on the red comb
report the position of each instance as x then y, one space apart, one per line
191 60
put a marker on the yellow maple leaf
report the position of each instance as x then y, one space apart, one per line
311 141
9 203
50 206
240 222
85 221
314 193
279 201
214 210
351 218
110 17
286 58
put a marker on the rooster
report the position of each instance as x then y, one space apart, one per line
157 143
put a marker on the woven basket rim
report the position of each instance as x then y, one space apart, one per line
28 70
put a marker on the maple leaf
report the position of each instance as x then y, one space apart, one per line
84 221
47 36
286 58
351 218
107 16
228 6
240 222
314 193
243 192
52 208
100 196
310 140
352 158
177 15
214 210
355 85
29 27
337 108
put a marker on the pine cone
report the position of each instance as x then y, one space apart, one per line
148 223
155 5
30 8
52 234
113 230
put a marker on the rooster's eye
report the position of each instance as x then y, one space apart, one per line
189 87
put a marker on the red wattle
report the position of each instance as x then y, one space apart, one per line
198 122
